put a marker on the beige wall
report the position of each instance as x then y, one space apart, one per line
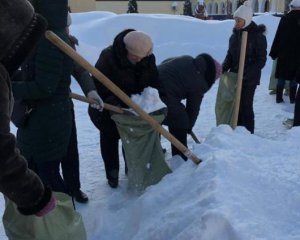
143 6
213 6
82 5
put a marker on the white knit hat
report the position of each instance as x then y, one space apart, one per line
138 43
295 4
245 12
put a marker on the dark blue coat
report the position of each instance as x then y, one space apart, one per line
286 47
182 79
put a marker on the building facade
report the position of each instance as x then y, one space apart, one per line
213 7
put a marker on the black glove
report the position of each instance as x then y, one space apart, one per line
189 131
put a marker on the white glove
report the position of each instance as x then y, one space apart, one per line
94 95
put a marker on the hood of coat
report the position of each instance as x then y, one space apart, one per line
206 63
253 27
20 29
119 49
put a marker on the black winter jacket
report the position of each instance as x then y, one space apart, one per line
181 80
256 53
130 78
286 47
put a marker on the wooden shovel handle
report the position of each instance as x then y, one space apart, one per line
92 101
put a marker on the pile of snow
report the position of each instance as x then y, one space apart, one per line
148 100
247 186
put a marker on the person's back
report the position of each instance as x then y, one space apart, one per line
185 78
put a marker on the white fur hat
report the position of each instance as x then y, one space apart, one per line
245 12
295 4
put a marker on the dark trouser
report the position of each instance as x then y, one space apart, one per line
297 110
246 113
70 163
181 135
109 145
50 175
292 90
109 142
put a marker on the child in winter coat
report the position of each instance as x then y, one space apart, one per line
256 55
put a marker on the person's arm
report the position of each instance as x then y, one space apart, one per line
261 50
17 182
193 102
227 63
83 78
147 73
105 65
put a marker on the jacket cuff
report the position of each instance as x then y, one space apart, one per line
39 206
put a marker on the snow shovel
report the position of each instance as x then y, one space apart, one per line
120 94
240 79
194 137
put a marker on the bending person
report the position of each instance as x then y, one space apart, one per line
185 78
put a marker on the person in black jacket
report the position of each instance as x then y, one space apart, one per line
185 78
130 64
286 49
256 55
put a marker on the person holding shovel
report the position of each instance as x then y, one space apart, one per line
130 64
256 56
185 78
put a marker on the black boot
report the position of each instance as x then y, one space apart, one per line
80 196
293 91
113 178
279 92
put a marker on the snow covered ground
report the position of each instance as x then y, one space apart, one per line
247 186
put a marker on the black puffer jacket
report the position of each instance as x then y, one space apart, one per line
130 78
185 78
286 47
256 53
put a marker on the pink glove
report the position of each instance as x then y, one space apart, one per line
48 208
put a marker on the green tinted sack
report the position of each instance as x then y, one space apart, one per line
62 223
226 99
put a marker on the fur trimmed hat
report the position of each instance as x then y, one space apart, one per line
295 4
138 43
245 12
20 29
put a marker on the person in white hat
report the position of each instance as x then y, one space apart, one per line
256 56
286 49
130 64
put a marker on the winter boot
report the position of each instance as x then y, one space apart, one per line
292 94
279 92
80 196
